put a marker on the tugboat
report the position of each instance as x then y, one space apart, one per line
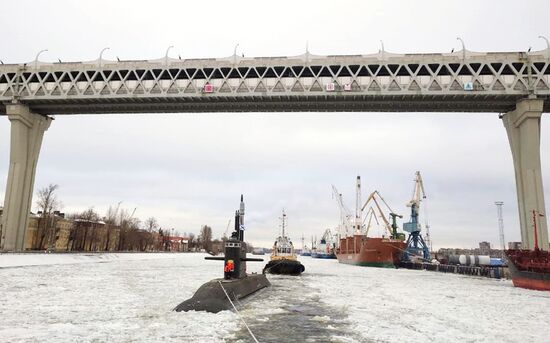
218 294
283 258
530 268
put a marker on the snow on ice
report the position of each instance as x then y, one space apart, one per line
129 298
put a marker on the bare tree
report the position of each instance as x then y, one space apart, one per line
151 224
89 214
87 220
129 227
112 214
47 199
47 202
191 242
206 237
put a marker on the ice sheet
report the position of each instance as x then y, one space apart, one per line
129 297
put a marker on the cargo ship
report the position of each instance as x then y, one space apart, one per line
530 268
366 251
360 249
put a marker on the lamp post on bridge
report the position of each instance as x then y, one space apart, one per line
235 54
166 55
547 45
463 48
36 58
101 55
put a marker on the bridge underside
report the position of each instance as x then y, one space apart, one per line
281 103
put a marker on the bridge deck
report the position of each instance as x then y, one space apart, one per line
458 82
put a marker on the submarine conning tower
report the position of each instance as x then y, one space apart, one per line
235 249
217 295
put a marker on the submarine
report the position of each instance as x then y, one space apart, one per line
219 294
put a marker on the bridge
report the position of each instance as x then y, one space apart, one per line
515 84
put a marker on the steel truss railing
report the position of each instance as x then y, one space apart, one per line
416 79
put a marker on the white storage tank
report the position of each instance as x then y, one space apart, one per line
470 260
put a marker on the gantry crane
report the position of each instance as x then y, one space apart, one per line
416 246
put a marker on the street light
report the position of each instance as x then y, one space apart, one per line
166 55
36 58
547 42
547 45
101 56
235 53
463 48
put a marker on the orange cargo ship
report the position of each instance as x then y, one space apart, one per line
361 250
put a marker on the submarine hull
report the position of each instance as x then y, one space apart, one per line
210 297
286 267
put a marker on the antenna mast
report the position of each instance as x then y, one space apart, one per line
283 223
358 209
500 224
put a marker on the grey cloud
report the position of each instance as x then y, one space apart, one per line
189 169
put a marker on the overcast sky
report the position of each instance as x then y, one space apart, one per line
189 169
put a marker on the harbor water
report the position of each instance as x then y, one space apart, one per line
130 297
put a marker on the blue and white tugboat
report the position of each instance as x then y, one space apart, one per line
283 258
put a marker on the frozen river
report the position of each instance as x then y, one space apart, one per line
129 297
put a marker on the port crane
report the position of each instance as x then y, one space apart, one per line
328 240
375 197
370 215
345 213
416 246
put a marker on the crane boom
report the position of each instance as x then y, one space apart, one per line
370 214
345 213
418 191
373 197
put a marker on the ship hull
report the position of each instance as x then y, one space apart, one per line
213 295
536 280
286 267
325 256
365 251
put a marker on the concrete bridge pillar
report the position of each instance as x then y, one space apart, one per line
523 128
27 130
